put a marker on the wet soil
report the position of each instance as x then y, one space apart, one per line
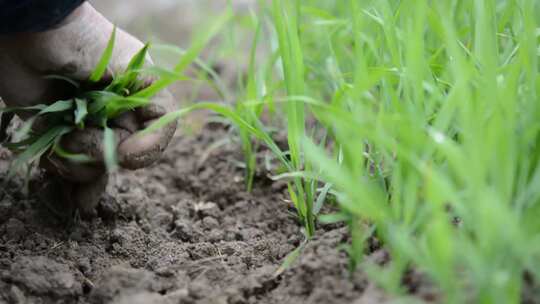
182 231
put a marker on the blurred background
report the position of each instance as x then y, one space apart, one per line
171 21
175 22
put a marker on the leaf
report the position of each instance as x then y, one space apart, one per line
163 72
18 109
229 113
73 157
118 105
17 146
290 258
363 198
128 79
26 128
103 62
38 148
334 218
293 175
321 198
80 112
109 150
99 100
59 106
72 82
216 81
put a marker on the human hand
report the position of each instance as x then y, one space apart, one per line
73 49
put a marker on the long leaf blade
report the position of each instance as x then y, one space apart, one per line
105 59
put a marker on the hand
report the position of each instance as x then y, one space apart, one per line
72 49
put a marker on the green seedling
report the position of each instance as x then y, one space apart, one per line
432 108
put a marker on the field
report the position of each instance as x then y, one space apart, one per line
328 152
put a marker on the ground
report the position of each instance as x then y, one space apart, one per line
183 231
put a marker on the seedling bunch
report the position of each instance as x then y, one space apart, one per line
431 108
126 92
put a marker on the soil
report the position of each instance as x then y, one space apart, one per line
182 231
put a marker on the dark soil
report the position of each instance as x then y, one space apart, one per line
183 231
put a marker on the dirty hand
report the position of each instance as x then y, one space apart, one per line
72 49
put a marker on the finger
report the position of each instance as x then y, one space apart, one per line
139 151
126 121
86 196
162 103
90 141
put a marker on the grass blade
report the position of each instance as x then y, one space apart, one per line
109 150
59 106
37 148
290 259
129 78
230 114
72 82
103 63
73 157
321 198
118 105
80 112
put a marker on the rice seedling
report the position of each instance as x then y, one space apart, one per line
432 109
245 115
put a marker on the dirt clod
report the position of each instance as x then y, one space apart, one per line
43 276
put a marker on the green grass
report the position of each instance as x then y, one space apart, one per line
430 111
433 113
